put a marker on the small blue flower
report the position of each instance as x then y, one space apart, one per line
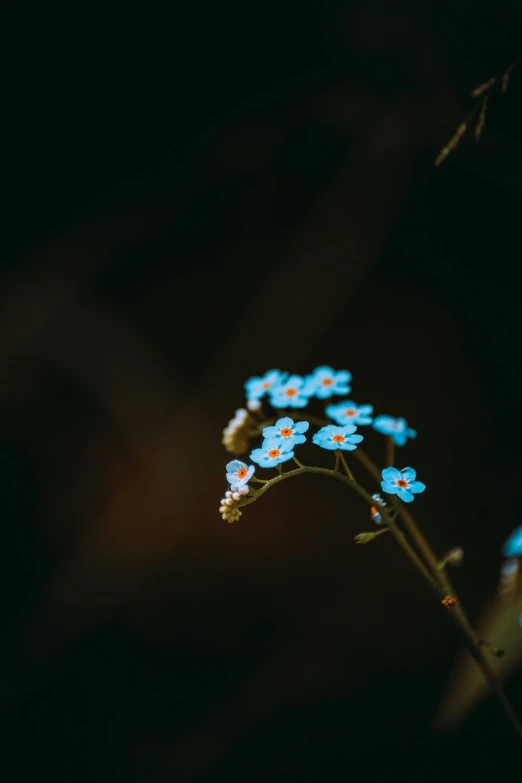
336 437
286 429
513 546
289 393
257 387
325 382
376 516
348 412
397 428
273 452
401 483
238 473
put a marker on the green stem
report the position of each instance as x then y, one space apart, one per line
390 521
444 586
345 465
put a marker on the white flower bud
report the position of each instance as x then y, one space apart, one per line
236 496
253 405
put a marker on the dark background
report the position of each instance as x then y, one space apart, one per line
202 191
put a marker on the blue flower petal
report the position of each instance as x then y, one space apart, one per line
270 432
327 444
404 494
399 438
285 457
417 486
355 438
285 423
388 486
302 426
271 443
391 474
409 474
258 455
234 466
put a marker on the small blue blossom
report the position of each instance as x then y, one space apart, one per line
289 393
325 382
239 474
257 387
336 437
376 516
348 412
273 452
513 546
286 429
401 483
397 429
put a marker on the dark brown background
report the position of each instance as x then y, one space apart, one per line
203 191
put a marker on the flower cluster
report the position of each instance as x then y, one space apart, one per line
281 435
279 442
229 507
294 391
235 435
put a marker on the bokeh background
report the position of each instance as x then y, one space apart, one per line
202 191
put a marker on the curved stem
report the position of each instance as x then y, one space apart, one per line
345 466
443 584
390 521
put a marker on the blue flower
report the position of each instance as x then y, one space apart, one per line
286 429
336 437
513 546
257 387
349 413
401 483
239 474
376 515
324 382
289 393
397 428
273 452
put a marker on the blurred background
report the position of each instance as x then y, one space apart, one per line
198 192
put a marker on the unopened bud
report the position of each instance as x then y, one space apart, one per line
455 556
364 538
